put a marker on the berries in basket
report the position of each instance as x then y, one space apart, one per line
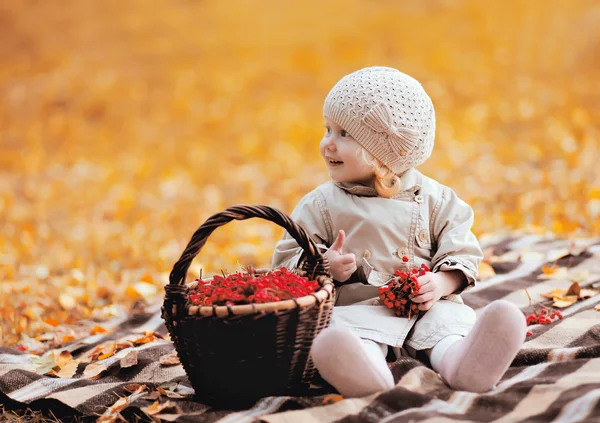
252 287
395 295
247 335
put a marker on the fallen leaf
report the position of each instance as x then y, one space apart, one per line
548 270
44 363
113 413
168 393
67 338
63 358
94 370
67 302
98 330
597 308
131 359
565 301
170 359
133 387
69 369
157 409
108 351
560 273
51 321
485 271
574 289
555 293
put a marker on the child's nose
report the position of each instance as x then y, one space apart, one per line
329 143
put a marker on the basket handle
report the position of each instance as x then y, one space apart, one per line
315 261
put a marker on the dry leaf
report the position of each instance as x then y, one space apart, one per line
574 289
597 307
133 387
485 271
97 330
108 351
131 359
168 393
94 370
170 359
157 409
555 293
565 301
69 369
44 363
113 413
581 276
557 274
548 270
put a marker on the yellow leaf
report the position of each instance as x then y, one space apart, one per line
69 369
67 302
557 274
549 270
97 330
597 307
565 301
486 271
108 351
94 370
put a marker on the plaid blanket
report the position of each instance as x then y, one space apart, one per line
555 377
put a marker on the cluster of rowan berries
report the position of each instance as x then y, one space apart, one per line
395 295
542 317
245 288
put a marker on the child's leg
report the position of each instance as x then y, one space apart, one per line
355 367
476 362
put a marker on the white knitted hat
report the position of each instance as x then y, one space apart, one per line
387 112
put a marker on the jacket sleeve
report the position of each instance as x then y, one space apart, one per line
457 246
310 213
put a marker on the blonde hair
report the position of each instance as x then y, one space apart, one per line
387 183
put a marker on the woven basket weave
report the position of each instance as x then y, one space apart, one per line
234 355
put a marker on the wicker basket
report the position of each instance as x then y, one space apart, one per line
234 355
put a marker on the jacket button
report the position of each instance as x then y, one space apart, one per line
366 254
419 199
401 252
423 235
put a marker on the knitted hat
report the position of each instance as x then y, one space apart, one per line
387 112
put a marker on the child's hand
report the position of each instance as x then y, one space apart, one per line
437 285
429 292
342 266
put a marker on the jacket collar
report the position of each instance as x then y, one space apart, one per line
410 181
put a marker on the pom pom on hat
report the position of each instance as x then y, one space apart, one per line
387 112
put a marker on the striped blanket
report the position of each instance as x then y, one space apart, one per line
555 377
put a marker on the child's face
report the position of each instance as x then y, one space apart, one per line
342 155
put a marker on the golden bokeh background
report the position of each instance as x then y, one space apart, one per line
124 125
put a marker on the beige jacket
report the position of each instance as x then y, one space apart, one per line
426 222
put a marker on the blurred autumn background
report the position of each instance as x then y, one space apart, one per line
124 125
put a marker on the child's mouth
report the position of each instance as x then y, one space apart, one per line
335 162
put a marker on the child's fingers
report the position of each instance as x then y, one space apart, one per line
349 269
425 278
425 287
422 298
426 305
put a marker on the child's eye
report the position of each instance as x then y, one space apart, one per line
345 134
328 130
